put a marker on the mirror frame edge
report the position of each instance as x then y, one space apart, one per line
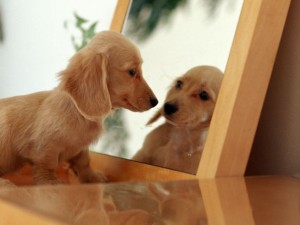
238 108
119 16
235 120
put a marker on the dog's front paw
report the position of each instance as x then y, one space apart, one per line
93 177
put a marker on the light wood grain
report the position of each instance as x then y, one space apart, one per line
243 89
118 169
120 15
275 200
226 201
276 145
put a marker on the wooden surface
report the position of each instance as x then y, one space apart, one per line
232 201
276 147
24 175
12 214
252 200
243 90
274 200
118 169
120 15
222 197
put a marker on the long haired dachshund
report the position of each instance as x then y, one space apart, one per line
49 127
188 108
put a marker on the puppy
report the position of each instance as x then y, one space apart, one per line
188 108
50 127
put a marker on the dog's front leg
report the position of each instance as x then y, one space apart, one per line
80 164
45 162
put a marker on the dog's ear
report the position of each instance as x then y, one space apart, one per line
85 80
154 117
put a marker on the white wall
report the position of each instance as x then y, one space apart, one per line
36 45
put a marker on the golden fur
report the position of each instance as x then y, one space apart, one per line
188 108
50 127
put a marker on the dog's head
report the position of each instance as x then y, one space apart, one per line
107 74
191 99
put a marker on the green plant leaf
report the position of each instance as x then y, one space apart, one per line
79 20
92 30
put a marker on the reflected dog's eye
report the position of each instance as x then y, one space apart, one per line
132 72
203 95
179 84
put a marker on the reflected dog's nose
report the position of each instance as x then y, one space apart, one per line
153 102
170 108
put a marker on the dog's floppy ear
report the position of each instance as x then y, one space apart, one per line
154 117
85 80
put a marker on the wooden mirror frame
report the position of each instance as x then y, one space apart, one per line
240 100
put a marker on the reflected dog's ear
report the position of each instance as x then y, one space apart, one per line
154 117
85 79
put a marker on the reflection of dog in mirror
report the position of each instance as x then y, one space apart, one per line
46 128
188 109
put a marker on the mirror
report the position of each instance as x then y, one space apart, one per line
173 37
33 50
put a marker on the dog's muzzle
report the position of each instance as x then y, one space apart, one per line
153 102
170 108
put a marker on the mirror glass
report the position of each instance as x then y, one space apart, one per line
173 37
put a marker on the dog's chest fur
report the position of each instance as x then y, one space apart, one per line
184 149
187 141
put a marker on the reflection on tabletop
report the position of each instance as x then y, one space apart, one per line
119 203
253 200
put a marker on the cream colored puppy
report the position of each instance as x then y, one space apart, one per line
188 109
46 128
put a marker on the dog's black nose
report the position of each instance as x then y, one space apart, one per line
170 108
153 102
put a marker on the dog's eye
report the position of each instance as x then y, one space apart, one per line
203 95
179 84
132 72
